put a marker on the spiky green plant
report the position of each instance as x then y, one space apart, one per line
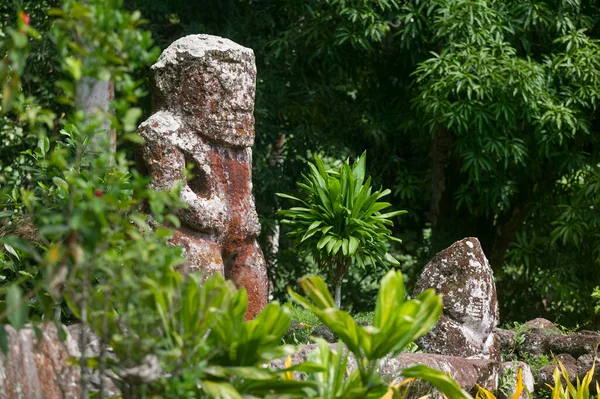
340 222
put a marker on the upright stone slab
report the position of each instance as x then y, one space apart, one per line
463 275
94 96
203 100
36 366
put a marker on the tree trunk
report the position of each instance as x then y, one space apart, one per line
338 292
507 230
439 156
95 96
507 235
275 159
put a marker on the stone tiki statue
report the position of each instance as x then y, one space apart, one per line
203 101
462 274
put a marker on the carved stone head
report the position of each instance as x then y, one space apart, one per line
210 83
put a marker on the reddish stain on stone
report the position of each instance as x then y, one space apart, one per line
198 251
245 272
209 90
38 368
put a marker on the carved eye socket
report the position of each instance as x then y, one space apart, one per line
199 183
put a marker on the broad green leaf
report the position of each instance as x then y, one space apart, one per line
12 251
353 245
316 290
16 306
389 299
130 119
359 168
324 241
73 66
441 381
220 390
61 183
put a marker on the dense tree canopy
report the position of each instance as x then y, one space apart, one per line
479 114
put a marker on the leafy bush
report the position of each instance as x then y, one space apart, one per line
82 219
89 233
581 389
483 393
596 298
340 222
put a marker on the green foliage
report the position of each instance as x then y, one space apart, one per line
536 362
391 331
197 331
479 115
396 323
508 381
302 326
596 297
519 108
90 234
82 210
512 387
231 351
580 390
340 222
20 134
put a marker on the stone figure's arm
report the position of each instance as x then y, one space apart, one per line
164 161
164 154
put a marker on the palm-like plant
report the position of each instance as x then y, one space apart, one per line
340 222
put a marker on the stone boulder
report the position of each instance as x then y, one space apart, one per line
533 343
576 344
462 274
576 368
545 376
36 368
468 373
541 337
203 101
542 326
507 340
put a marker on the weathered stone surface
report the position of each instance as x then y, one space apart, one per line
509 370
534 343
325 333
210 81
463 275
92 349
468 373
545 376
203 98
549 342
566 359
575 369
585 362
584 365
576 344
37 368
506 339
541 325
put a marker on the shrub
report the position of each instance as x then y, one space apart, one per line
581 389
89 243
340 221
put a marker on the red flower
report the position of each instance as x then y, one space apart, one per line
25 18
98 193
